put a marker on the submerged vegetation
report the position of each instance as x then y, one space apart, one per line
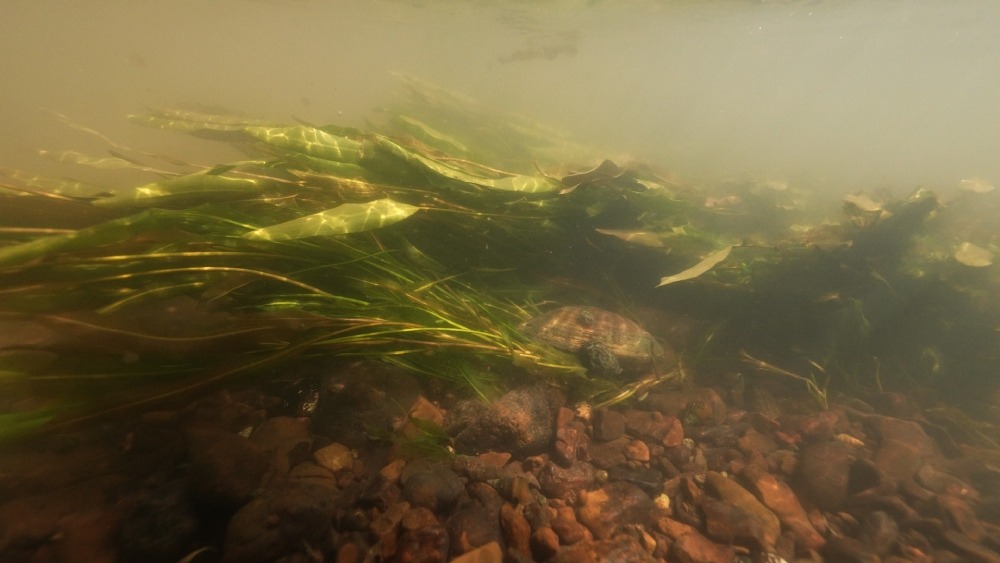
426 239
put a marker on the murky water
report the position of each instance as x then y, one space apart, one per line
843 95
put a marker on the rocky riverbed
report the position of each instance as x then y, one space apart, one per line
349 466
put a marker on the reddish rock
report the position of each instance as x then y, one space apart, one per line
637 450
472 525
567 528
226 469
614 505
844 548
753 443
435 487
710 409
282 522
489 553
696 548
520 421
286 439
422 538
959 513
740 517
516 529
565 483
608 425
544 543
824 472
609 454
903 447
620 548
880 531
782 501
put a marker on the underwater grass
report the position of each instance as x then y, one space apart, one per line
424 242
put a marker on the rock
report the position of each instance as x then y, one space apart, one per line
880 531
637 450
489 553
957 511
567 528
519 422
161 525
544 543
285 521
225 469
308 473
566 483
334 457
614 505
516 528
620 548
609 454
482 467
286 439
608 425
473 524
848 550
646 478
570 437
696 548
363 397
903 447
699 405
435 487
422 538
740 517
781 500
972 550
825 471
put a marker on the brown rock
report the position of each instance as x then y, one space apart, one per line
362 397
962 515
566 483
609 454
334 457
779 498
824 472
567 441
472 525
702 404
740 517
310 473
516 529
422 538
754 443
880 531
286 439
673 528
844 548
281 522
696 548
567 528
519 421
489 553
614 505
544 543
435 487
620 548
226 469
903 447
974 551
637 450
608 425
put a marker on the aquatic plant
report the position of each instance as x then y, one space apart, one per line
424 241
